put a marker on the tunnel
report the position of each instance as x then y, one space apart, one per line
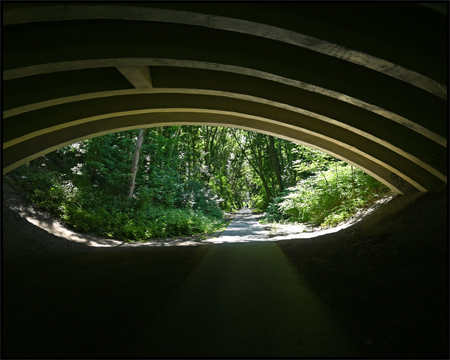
329 76
365 82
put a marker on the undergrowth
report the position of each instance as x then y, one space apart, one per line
93 210
327 198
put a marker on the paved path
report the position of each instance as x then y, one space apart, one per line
244 299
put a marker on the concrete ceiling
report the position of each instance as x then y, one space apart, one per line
365 82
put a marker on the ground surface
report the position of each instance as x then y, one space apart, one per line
385 279
245 298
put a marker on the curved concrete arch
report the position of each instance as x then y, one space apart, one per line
102 12
82 67
365 85
391 161
134 62
113 94
105 124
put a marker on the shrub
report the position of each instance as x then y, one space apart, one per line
327 198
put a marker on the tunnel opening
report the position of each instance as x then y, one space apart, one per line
186 177
330 76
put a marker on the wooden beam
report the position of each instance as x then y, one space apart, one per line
138 76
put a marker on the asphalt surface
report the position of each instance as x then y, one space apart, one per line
244 299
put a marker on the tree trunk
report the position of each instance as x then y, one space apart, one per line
275 162
177 136
134 166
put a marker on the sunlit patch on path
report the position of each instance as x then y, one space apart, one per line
243 228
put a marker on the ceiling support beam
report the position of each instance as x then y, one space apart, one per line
138 76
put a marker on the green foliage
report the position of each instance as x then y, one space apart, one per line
107 215
41 187
273 214
141 225
85 185
186 178
327 198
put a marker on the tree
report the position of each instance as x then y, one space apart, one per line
186 176
275 162
257 164
134 165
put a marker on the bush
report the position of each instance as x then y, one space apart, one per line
140 225
41 187
88 208
327 198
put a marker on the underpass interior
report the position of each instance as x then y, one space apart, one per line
329 75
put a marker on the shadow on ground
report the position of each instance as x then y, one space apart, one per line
385 278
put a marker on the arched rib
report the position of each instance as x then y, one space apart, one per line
99 63
102 12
